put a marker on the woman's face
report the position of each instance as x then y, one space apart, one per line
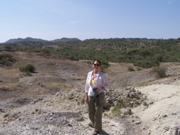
96 65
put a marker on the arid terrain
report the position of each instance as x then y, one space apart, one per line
51 100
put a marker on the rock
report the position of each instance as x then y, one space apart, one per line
174 113
166 128
132 94
128 112
165 115
128 88
6 115
107 106
37 100
137 122
145 103
1 110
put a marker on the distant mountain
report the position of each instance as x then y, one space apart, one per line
66 39
25 39
41 40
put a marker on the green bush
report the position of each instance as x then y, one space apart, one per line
130 68
9 48
46 51
160 71
6 59
29 68
146 63
105 63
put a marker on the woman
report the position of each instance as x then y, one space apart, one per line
96 83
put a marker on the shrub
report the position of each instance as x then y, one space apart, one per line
116 111
146 63
46 51
6 59
160 71
105 63
29 68
130 68
9 48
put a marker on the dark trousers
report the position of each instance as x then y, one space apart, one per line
95 109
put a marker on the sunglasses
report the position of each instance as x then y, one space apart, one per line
96 64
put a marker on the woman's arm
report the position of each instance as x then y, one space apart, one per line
86 89
86 98
86 84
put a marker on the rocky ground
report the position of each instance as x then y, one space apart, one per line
51 101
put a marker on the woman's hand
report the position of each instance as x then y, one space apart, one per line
86 98
100 88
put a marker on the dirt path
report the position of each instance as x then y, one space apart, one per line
162 115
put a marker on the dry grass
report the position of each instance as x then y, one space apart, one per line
66 85
66 74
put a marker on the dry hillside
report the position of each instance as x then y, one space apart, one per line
50 102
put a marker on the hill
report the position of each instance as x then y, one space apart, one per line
25 39
51 100
66 40
40 40
141 52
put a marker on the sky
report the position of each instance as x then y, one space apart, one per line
89 19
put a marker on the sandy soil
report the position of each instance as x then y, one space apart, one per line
162 115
